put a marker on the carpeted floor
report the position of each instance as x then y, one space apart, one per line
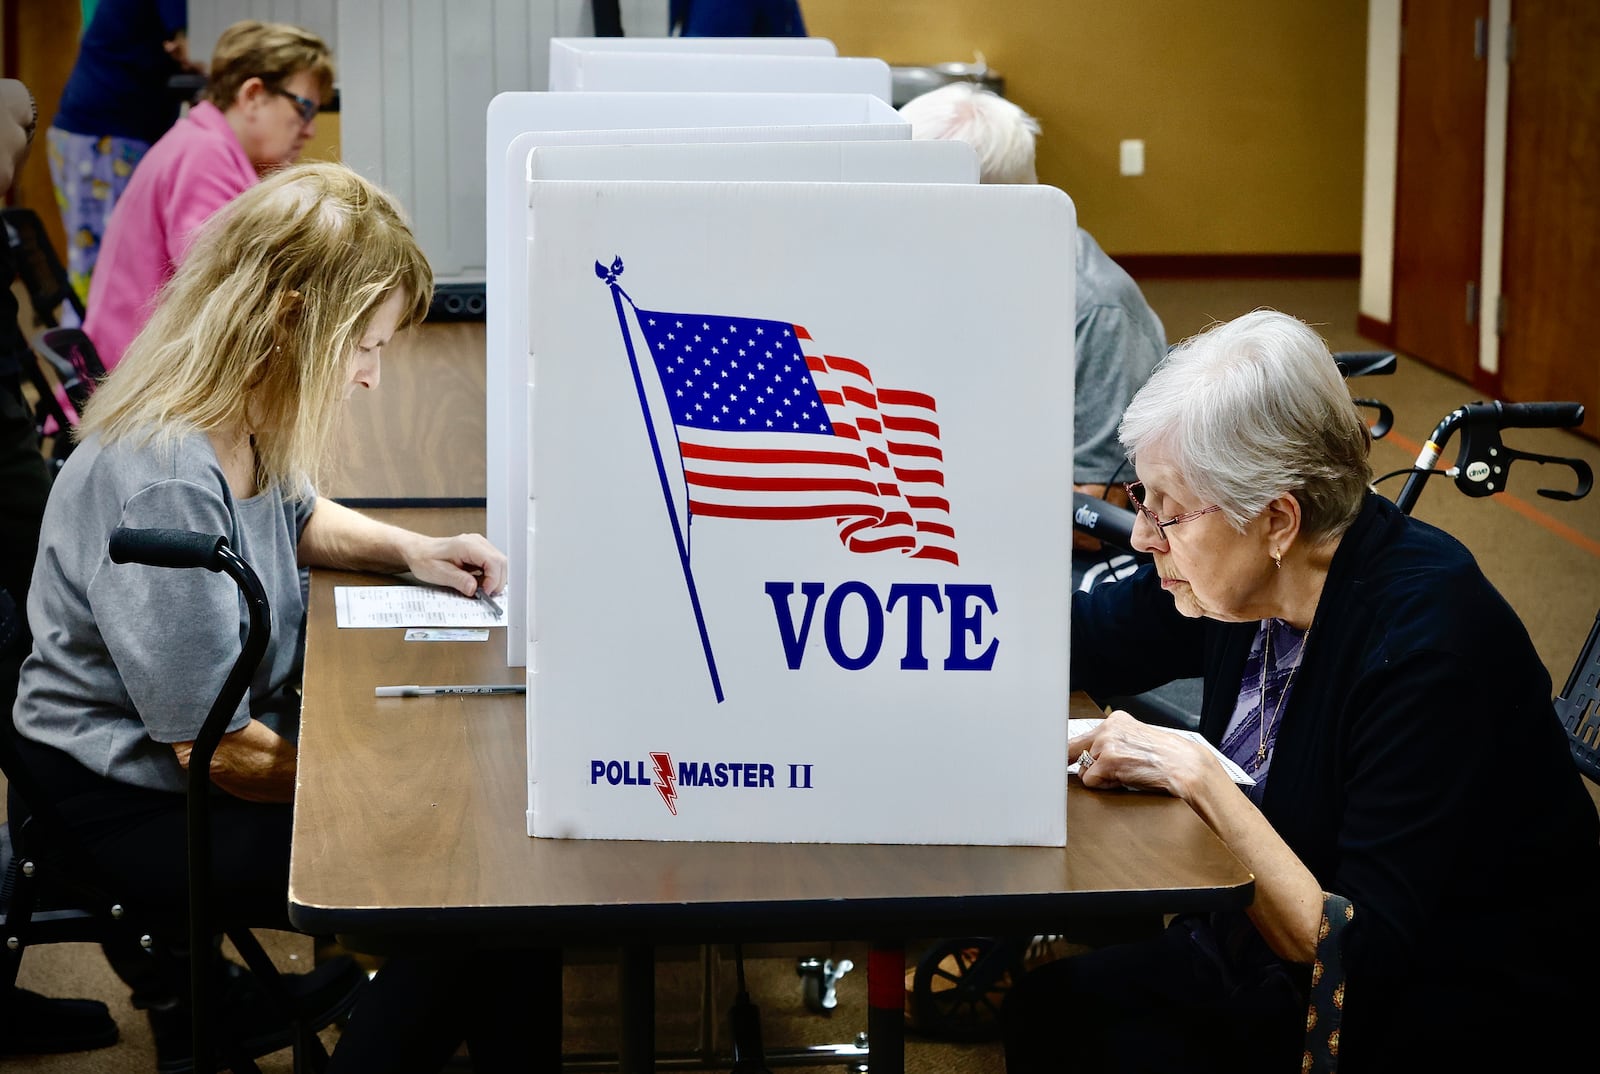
683 1038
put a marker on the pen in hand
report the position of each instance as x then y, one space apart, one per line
483 594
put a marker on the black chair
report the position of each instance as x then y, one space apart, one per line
73 359
40 269
40 902
65 357
46 899
55 304
50 420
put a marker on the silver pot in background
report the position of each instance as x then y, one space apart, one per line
913 81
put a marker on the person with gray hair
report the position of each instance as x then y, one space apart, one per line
1117 336
1001 132
1363 670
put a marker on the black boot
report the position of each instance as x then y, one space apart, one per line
40 1025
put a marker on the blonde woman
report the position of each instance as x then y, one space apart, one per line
267 82
218 420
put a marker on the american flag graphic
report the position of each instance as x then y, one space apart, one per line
770 426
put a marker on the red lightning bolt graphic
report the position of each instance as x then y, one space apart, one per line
669 795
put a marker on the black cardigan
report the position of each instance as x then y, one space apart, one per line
1420 772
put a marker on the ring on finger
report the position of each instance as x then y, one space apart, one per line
1084 760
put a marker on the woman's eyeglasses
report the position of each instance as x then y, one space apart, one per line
307 108
1135 491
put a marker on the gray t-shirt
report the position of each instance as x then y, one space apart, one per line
128 659
1119 342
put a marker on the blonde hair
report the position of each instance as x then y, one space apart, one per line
271 51
258 327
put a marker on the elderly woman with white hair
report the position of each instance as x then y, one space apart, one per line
1413 784
999 131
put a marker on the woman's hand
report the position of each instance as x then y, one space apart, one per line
463 563
1128 753
338 537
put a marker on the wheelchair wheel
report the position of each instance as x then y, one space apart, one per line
958 987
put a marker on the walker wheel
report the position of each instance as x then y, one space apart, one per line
958 987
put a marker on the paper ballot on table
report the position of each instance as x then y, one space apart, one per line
1235 773
408 606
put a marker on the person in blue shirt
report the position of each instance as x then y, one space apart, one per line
115 105
736 18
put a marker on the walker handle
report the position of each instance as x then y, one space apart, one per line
1534 415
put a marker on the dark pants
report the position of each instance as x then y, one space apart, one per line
421 1007
135 849
137 844
1156 1005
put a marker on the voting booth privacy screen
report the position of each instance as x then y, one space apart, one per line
569 55
519 122
647 71
799 513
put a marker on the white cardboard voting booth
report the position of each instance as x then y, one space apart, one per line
801 548
646 71
943 161
567 53
519 121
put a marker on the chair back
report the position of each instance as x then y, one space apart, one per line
39 267
50 420
72 355
47 891
1578 708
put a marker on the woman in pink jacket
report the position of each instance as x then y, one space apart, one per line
267 82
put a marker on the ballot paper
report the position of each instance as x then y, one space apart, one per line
409 606
1237 774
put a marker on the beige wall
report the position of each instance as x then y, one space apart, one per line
1251 111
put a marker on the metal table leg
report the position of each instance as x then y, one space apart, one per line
886 1001
637 990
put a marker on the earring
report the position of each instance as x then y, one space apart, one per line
1277 559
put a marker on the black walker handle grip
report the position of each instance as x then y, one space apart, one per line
1107 521
167 548
1537 415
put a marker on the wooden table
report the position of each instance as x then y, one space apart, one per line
410 825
